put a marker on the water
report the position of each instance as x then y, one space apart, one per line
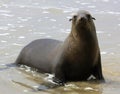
22 21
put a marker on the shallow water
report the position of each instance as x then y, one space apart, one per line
22 21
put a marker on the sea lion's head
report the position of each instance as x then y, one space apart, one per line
83 20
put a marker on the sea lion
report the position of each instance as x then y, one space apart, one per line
75 59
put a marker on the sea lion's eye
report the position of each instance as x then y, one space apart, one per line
88 16
75 16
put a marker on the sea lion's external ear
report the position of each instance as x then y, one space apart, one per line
93 18
70 19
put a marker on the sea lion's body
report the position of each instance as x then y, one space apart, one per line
75 59
40 54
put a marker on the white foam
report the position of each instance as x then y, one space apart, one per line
103 53
21 37
44 12
88 88
25 90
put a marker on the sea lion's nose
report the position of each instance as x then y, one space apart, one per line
83 19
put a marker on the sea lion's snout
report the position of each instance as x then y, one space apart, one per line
81 20
82 17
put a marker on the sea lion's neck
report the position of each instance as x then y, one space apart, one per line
84 35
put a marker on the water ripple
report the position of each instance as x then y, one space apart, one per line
5 11
53 20
85 3
13 30
91 6
5 5
17 44
24 19
105 0
3 41
7 15
4 28
4 34
100 32
11 25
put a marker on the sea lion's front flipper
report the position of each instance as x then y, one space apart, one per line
97 70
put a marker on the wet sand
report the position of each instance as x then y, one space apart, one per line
23 21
